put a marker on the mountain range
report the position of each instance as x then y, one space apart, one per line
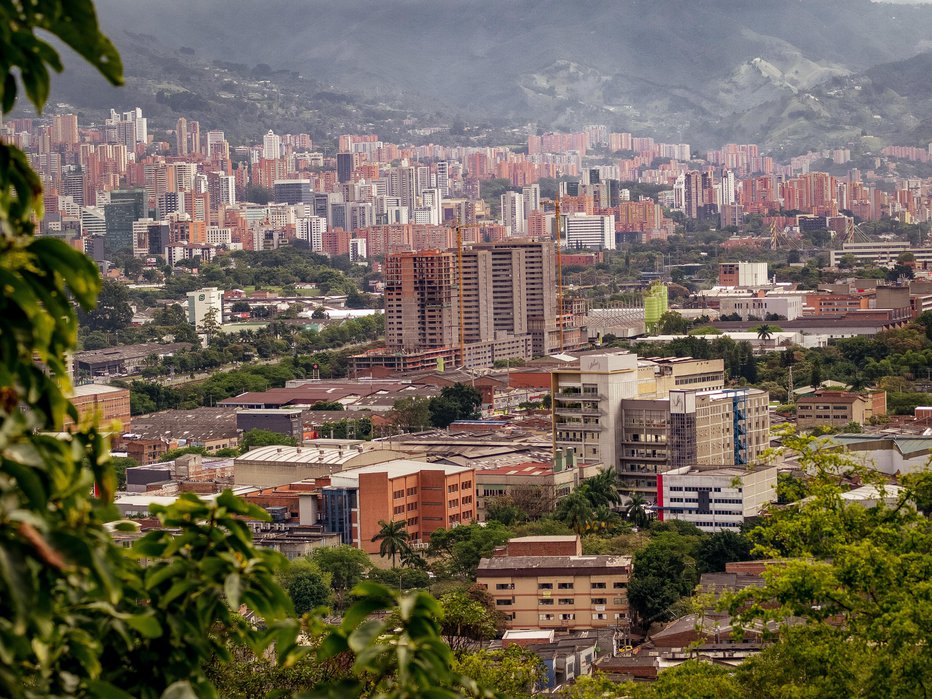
788 74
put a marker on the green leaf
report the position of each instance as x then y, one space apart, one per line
105 690
146 624
232 587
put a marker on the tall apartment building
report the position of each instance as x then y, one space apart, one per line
125 207
544 582
421 306
513 213
202 302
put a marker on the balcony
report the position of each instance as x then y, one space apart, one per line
594 412
578 397
579 427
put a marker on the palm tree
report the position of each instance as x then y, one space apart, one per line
601 490
575 511
764 332
394 538
412 559
637 510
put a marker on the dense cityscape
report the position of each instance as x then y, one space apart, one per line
585 415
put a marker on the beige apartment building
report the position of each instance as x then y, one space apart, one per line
838 408
544 582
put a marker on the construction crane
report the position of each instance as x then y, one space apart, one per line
558 225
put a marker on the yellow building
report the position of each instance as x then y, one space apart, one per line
545 582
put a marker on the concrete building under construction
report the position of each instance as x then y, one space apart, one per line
503 307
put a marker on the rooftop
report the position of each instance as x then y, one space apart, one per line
320 451
529 468
95 389
530 563
395 469
196 424
112 354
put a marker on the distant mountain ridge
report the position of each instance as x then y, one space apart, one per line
702 72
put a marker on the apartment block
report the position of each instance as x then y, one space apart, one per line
543 482
595 232
421 309
544 582
425 496
715 498
838 408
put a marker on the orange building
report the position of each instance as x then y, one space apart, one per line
425 496
108 402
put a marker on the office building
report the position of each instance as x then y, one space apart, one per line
424 496
125 207
762 305
715 498
293 192
544 582
594 232
643 417
201 303
181 136
723 428
345 164
357 249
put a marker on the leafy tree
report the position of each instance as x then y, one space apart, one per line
263 438
464 546
402 578
672 323
209 325
601 490
512 671
663 573
858 576
504 510
456 402
715 550
346 565
120 464
112 312
693 679
240 307
637 510
411 413
172 314
466 619
393 538
306 584
327 405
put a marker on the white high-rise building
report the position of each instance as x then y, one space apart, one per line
594 232
531 195
312 230
402 183
357 249
271 146
227 190
203 301
513 213
728 188
443 178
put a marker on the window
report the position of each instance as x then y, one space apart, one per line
412 491
453 503
600 616
620 585
412 506
466 485
546 617
565 586
546 601
598 600
567 617
412 521
598 586
504 586
398 494
452 488
504 602
567 600
618 600
399 510
544 586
